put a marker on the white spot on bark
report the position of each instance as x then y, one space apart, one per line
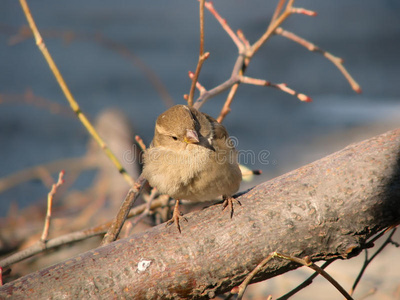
143 265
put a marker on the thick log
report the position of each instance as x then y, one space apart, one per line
324 210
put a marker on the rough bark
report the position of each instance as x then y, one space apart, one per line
324 210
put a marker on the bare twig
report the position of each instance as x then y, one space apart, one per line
367 260
277 11
226 109
234 79
242 287
305 262
283 10
246 52
201 88
275 23
209 5
337 61
280 86
74 105
302 11
123 212
50 197
202 56
241 36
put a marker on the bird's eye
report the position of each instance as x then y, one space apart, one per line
174 138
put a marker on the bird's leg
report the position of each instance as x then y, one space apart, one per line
228 201
175 216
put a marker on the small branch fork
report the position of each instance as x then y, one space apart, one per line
247 51
318 270
305 262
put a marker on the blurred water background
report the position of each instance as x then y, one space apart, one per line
164 36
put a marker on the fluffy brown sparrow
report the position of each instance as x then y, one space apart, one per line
191 157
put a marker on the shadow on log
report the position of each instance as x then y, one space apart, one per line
325 210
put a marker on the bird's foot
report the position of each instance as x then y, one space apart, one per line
176 215
228 201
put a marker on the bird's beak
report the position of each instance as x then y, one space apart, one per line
191 137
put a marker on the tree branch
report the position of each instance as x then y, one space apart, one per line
325 210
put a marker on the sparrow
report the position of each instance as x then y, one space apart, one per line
191 158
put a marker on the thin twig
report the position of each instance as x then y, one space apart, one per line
202 56
280 86
74 105
209 5
308 263
271 28
337 61
123 212
222 87
50 197
367 260
241 36
201 88
305 262
246 52
242 287
277 11
227 105
302 11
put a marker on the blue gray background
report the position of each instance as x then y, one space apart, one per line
164 35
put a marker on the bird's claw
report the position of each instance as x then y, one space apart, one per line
228 201
175 217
